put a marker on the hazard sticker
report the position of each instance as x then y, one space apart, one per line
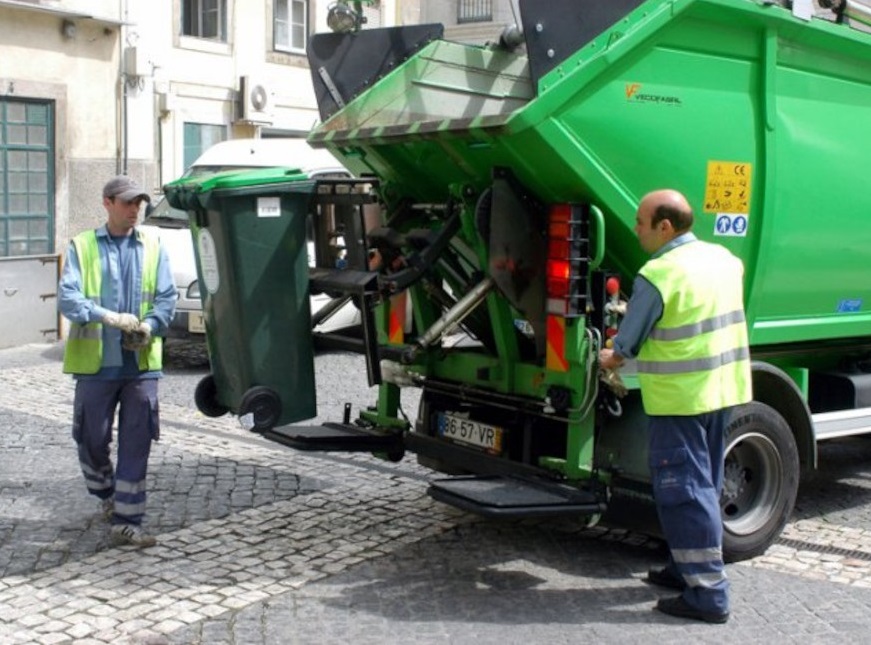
730 224
727 188
208 261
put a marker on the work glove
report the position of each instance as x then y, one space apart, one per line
613 381
124 322
138 339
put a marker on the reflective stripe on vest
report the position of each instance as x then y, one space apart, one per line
152 358
696 359
83 353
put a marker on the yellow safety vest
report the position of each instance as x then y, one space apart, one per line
696 358
83 353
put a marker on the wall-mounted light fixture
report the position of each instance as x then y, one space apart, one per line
343 19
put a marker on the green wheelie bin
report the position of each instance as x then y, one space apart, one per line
249 233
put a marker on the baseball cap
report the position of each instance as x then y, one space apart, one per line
124 187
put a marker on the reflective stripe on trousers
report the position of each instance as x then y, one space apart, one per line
686 467
95 405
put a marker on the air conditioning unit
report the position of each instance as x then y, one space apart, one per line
256 99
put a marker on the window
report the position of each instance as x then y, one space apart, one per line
199 137
26 178
474 11
204 19
290 25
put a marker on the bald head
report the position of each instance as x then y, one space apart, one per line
662 216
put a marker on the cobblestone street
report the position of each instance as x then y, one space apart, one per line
262 544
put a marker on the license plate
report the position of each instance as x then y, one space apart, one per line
471 432
196 323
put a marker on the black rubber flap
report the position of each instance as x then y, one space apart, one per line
335 437
556 29
514 497
344 65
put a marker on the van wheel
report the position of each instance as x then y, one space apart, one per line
760 480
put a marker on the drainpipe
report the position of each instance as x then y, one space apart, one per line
121 164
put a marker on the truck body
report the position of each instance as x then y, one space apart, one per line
503 182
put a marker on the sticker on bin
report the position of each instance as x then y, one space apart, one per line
470 432
208 261
269 207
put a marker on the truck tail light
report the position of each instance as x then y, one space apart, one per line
567 259
567 269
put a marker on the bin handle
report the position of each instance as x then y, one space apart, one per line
596 260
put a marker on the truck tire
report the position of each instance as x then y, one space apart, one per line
206 398
760 480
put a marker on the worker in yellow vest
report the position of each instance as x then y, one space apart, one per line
117 291
685 326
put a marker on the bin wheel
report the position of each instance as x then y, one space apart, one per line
206 398
264 405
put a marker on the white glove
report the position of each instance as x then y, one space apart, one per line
124 322
137 339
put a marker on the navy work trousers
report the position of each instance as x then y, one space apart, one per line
138 424
686 465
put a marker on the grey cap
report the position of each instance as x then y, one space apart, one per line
124 187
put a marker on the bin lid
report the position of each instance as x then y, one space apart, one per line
193 192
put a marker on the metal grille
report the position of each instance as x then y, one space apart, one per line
474 11
26 178
800 545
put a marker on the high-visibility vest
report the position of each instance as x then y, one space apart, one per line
83 353
696 358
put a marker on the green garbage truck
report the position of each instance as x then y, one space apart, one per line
493 234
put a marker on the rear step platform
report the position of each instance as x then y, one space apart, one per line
335 437
505 497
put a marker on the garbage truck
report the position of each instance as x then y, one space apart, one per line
489 241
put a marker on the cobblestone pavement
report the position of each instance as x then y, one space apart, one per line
262 544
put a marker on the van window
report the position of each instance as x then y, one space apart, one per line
199 137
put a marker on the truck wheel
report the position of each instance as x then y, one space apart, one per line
264 405
760 480
206 398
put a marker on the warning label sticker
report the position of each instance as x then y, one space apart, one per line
727 188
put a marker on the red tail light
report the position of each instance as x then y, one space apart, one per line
566 259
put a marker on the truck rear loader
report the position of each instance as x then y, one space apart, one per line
495 201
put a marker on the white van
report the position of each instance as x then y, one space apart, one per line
172 224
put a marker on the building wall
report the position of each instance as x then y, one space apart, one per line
199 80
109 121
79 74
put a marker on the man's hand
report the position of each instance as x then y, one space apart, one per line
137 339
608 360
609 363
124 322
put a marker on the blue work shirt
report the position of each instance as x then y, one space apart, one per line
644 308
121 260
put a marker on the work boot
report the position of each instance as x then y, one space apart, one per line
107 507
679 607
665 577
131 534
